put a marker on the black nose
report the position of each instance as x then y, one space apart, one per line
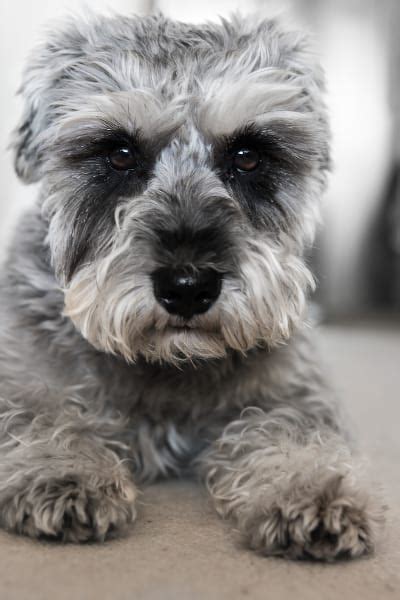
186 293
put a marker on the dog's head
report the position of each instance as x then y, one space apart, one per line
181 171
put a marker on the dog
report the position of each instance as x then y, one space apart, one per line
154 300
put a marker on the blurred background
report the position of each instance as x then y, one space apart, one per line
357 254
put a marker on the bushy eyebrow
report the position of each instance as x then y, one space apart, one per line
276 106
257 96
97 138
106 136
123 115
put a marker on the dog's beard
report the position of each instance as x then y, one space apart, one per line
113 306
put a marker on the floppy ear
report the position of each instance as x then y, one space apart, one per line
25 137
44 79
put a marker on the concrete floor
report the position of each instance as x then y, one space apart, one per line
179 549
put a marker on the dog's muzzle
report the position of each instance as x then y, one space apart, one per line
186 293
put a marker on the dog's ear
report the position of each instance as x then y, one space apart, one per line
44 77
24 140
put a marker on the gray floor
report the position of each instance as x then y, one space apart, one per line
179 549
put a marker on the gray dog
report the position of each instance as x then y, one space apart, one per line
153 302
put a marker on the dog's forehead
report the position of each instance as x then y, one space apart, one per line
158 77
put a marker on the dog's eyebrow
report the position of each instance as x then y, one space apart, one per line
262 97
130 112
106 136
275 107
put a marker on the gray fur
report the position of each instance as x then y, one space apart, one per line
101 388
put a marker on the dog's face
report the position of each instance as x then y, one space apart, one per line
181 171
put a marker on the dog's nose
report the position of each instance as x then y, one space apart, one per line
186 293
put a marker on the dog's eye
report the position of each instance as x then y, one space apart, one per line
122 159
246 160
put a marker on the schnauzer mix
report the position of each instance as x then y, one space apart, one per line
153 302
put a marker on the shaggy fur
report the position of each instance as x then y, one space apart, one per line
101 387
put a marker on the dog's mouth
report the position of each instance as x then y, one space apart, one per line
183 325
187 330
180 328
195 329
196 325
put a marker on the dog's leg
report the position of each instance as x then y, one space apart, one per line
290 486
63 479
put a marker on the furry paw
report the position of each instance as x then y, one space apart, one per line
71 509
337 523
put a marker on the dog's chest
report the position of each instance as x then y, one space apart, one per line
162 449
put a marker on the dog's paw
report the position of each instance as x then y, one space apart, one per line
71 509
337 523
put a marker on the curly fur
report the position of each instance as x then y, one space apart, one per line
291 489
100 387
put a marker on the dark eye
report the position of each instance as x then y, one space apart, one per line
122 159
246 160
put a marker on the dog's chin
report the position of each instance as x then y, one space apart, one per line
176 345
